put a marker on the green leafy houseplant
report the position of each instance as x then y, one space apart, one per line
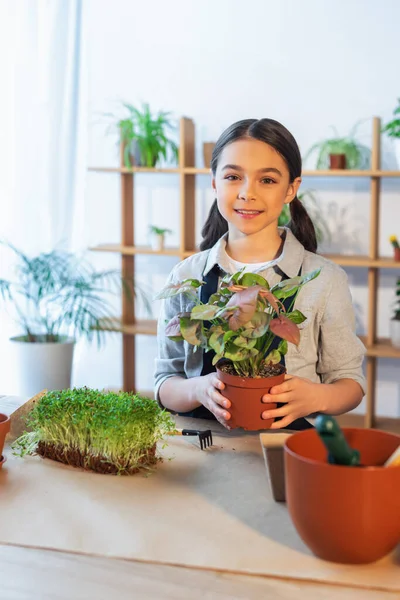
309 200
357 154
392 128
240 321
57 294
106 432
158 230
146 136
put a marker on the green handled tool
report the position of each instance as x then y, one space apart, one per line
339 452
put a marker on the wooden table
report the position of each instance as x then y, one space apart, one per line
41 574
34 574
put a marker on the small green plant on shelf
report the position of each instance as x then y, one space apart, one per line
146 137
392 128
341 152
308 198
106 432
56 295
396 247
158 237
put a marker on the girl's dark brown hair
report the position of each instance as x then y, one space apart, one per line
276 135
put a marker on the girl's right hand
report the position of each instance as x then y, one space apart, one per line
206 391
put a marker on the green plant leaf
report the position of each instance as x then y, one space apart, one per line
283 347
244 342
204 312
273 358
296 316
192 331
250 279
258 325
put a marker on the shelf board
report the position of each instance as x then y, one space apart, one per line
206 171
358 420
135 170
381 349
140 327
131 250
363 261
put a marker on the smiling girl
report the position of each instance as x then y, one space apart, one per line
256 170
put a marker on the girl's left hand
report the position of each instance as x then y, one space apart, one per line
301 397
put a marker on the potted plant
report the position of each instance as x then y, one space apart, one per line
145 137
392 128
341 152
396 248
106 432
309 200
395 321
157 237
57 298
239 323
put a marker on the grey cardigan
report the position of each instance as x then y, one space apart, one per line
329 348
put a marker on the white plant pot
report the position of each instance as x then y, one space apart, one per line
157 242
395 332
397 151
43 365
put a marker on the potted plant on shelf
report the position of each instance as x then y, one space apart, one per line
392 128
158 237
341 152
309 200
239 324
396 248
395 321
57 298
106 432
145 137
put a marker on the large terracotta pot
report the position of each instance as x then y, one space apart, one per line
397 254
4 429
344 514
245 395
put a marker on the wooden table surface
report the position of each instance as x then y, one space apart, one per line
34 574
39 574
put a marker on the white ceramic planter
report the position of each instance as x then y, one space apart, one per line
396 146
43 365
157 242
395 332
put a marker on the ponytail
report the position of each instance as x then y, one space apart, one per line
213 228
301 226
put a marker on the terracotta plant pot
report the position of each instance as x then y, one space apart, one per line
4 429
337 161
397 254
344 514
245 395
208 148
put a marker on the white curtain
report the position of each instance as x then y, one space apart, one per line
43 139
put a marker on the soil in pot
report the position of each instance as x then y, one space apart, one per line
245 395
74 458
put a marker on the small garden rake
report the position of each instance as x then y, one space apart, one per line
205 437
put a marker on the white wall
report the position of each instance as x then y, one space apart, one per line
309 64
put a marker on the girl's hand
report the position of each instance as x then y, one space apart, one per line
301 396
206 391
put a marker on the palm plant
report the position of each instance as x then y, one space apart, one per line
392 128
58 295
